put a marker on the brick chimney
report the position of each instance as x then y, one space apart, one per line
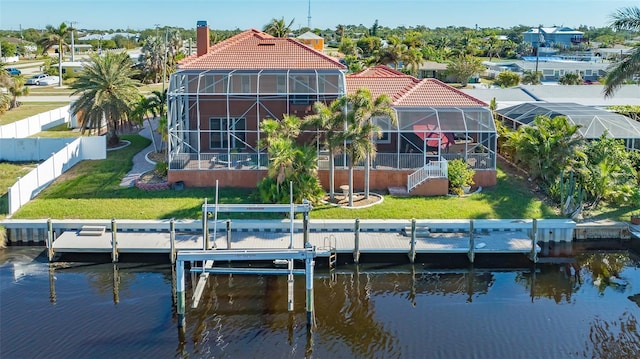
202 37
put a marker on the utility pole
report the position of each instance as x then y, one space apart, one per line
73 49
164 67
309 16
540 39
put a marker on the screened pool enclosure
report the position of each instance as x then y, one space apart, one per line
214 122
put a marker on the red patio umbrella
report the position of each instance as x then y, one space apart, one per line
426 132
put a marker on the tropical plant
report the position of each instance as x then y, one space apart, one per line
463 67
288 164
329 121
5 81
609 173
55 37
460 175
107 93
152 56
507 79
17 88
278 27
629 67
393 53
546 147
531 77
570 78
361 130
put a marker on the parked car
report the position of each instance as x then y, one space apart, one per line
13 71
42 80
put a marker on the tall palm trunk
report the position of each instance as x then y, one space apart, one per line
367 169
351 183
332 175
60 65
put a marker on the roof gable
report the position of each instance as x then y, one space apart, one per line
408 91
254 49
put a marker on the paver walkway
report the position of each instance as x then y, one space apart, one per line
140 163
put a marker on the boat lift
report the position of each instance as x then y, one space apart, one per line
209 255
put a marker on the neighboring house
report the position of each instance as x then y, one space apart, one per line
78 48
562 37
552 69
313 40
592 122
432 70
218 97
73 67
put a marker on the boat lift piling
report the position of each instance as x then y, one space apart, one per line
207 258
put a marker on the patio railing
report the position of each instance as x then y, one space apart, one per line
434 169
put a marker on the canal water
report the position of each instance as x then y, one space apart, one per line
585 307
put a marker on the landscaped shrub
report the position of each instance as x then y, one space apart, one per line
162 168
460 175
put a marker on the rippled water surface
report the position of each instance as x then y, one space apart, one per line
587 308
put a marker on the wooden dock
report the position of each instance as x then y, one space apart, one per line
340 242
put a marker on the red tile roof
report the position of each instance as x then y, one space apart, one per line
254 49
408 91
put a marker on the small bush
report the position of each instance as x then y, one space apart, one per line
460 175
162 168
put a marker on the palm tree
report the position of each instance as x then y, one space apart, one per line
571 78
17 88
278 28
52 37
143 108
531 77
329 120
413 59
629 66
546 147
361 130
152 58
107 93
5 81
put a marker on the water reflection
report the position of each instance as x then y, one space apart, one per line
361 311
617 339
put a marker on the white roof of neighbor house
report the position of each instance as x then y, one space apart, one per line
309 36
555 29
107 36
587 95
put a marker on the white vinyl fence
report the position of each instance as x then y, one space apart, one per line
34 124
27 187
31 149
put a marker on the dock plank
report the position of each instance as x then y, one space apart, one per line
370 242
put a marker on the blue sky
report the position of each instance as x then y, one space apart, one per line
244 14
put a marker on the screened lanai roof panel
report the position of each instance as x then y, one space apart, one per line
594 122
450 119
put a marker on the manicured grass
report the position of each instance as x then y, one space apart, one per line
10 173
28 109
91 190
49 90
62 130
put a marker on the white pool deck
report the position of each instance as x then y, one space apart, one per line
344 242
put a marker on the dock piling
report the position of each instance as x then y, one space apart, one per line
172 240
228 234
534 240
356 249
309 264
412 250
49 239
114 241
472 242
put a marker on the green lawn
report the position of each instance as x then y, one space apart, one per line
91 190
58 131
9 174
28 109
